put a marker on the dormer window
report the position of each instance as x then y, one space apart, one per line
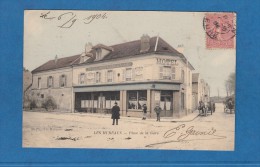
98 54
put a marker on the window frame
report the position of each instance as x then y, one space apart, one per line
61 80
48 82
82 77
109 80
39 82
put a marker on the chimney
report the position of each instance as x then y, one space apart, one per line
56 59
88 47
145 43
180 48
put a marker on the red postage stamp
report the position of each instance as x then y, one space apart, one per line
220 30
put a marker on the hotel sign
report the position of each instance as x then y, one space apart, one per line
166 61
110 66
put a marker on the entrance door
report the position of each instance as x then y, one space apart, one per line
166 103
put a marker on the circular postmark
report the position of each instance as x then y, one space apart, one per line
220 26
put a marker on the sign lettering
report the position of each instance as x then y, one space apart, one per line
166 61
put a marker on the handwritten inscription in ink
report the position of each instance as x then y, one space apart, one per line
69 19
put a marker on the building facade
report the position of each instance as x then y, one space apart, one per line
200 90
146 71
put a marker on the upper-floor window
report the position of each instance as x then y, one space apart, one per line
98 77
82 78
110 76
62 80
50 82
91 77
173 72
167 72
39 83
128 74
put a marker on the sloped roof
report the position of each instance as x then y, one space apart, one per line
195 77
62 62
127 49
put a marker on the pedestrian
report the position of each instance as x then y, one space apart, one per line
158 110
144 111
214 107
115 114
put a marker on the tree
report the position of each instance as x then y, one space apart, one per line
230 84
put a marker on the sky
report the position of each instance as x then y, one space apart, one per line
65 33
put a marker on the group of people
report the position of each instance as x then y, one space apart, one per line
116 113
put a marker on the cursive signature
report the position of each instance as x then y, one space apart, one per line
68 19
183 133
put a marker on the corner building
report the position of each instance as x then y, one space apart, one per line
146 71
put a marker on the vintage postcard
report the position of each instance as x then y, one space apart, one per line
129 80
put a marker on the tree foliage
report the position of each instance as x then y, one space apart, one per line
231 84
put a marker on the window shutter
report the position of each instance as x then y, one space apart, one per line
123 75
133 74
94 77
65 80
173 72
161 72
99 77
85 78
48 82
60 80
79 79
53 82
105 77
114 76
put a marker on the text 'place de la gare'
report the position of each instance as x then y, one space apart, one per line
145 71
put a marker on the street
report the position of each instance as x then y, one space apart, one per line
85 130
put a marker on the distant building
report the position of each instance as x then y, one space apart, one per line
146 71
200 90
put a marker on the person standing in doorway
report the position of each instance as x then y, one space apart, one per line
144 111
115 114
158 110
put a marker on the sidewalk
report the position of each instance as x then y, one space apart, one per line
187 118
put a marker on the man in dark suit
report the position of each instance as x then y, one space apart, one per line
115 114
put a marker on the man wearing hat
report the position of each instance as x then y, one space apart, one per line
158 110
115 114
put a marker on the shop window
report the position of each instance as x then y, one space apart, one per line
136 99
82 78
95 101
63 80
91 77
110 76
39 83
98 77
50 82
111 98
86 102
